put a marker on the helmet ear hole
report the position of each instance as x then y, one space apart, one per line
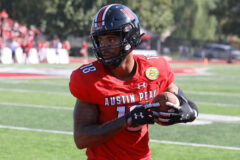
127 28
127 47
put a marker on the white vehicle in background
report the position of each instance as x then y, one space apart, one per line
144 52
236 54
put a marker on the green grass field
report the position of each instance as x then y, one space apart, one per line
36 118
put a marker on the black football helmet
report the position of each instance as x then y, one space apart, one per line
119 20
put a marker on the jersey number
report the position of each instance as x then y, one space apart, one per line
88 68
121 112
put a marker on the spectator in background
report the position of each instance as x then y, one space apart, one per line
13 46
57 45
1 46
36 33
3 17
183 51
66 45
42 49
27 45
84 52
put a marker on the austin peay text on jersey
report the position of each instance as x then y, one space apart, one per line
131 98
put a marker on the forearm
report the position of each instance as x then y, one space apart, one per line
91 135
87 131
191 104
174 89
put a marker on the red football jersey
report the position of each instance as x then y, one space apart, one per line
94 84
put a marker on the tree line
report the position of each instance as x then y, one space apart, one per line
203 20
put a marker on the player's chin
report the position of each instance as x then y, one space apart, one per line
111 67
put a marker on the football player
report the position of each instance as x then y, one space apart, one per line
110 117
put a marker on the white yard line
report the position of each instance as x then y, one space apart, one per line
151 140
195 144
35 91
63 72
31 82
219 118
218 104
204 117
68 93
206 78
34 106
213 93
35 130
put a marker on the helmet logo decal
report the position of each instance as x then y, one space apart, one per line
99 19
152 73
128 13
99 16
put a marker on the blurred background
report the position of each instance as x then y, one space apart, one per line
179 29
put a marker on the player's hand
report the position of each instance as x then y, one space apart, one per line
167 118
183 114
140 115
187 114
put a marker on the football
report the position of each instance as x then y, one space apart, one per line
164 97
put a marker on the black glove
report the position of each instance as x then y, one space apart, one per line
166 118
186 112
139 116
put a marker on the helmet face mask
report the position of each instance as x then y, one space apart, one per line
116 21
